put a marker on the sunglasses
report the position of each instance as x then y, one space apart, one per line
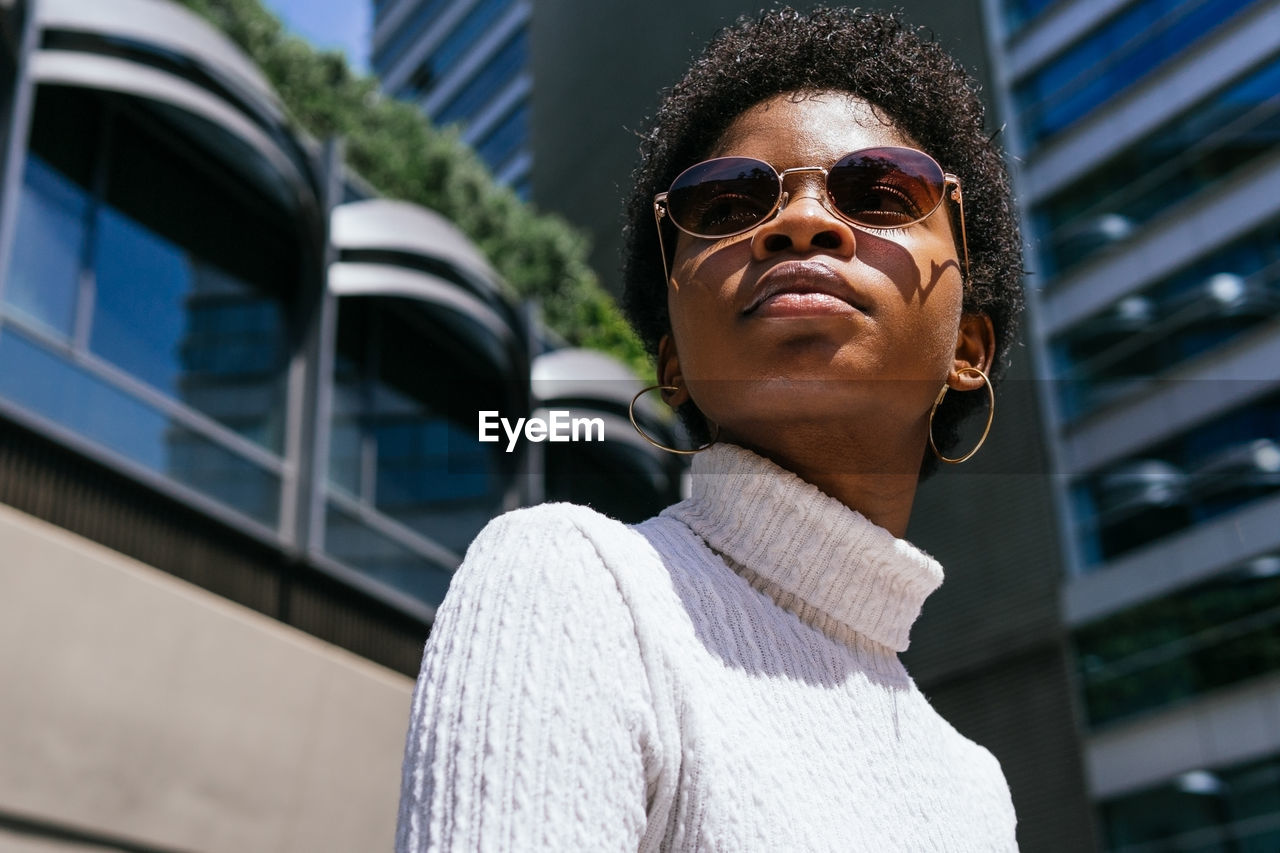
876 188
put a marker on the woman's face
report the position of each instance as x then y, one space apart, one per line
809 319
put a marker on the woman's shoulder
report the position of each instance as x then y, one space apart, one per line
533 717
545 530
548 549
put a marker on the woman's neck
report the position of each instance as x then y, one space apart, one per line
878 479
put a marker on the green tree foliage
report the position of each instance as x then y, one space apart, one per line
400 153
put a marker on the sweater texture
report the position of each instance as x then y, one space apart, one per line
723 677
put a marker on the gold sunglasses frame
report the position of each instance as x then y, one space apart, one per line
956 195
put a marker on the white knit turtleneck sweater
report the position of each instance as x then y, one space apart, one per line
723 677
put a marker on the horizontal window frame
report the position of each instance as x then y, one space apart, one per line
1085 373
365 512
1163 173
164 484
124 381
1219 215
1217 62
1029 115
1172 563
1221 382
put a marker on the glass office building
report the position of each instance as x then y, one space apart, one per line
167 309
206 302
464 62
1147 135
239 449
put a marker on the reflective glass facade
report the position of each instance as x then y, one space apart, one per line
1227 462
1142 154
1214 634
163 332
403 444
239 459
1215 139
499 71
507 139
464 62
1218 299
478 20
409 31
163 335
182 306
1118 54
1014 14
1235 807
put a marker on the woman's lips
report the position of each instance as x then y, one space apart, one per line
800 304
802 289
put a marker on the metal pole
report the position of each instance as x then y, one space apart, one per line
16 105
321 340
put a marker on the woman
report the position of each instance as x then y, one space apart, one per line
725 676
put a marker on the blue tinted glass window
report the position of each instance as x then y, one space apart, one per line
142 283
505 139
230 327
42 381
1231 808
496 74
1212 469
406 433
181 280
405 454
409 32
212 469
477 21
410 446
346 432
1198 309
1017 13
49 247
1198 639
193 298
73 397
352 540
1193 152
1112 58
188 328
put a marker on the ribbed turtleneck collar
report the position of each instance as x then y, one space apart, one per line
819 558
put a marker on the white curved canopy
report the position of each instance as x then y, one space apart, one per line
381 224
252 114
358 279
384 225
584 374
165 24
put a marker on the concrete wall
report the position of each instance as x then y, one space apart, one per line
141 710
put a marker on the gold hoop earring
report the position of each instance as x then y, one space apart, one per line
991 414
631 410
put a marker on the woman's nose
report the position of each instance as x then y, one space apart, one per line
803 224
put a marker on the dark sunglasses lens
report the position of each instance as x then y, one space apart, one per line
724 196
886 187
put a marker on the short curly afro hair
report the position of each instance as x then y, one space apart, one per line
912 83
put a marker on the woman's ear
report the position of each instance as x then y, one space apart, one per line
669 373
975 347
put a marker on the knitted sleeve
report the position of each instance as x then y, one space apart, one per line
531 714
